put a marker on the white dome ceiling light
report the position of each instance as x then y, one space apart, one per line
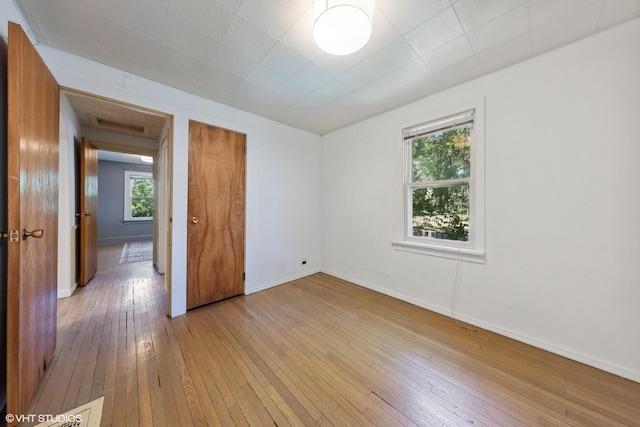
342 27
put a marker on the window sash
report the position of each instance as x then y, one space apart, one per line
129 177
440 125
439 182
452 122
409 229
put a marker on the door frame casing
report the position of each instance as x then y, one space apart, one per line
169 131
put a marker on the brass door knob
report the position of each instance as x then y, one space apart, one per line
35 233
194 220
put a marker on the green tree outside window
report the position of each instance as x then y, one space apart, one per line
141 197
439 188
138 196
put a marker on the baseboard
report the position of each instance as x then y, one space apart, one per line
67 292
561 351
281 282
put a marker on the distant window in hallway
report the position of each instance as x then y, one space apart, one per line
138 196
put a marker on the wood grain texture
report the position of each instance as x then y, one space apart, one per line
33 139
316 351
88 205
215 245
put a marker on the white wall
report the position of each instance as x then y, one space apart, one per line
562 204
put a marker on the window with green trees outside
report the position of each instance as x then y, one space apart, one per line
438 178
138 203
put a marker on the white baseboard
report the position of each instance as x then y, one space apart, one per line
280 282
66 293
587 360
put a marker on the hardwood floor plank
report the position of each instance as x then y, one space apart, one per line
192 358
316 351
105 349
195 408
158 415
365 386
167 392
119 406
288 371
384 411
110 351
258 415
144 361
301 397
243 376
217 387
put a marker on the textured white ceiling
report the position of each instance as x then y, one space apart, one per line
259 55
99 114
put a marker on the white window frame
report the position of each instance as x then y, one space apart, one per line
472 250
127 194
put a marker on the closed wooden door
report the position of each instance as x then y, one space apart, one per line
32 155
88 214
216 214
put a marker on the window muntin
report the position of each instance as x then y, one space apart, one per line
438 182
138 196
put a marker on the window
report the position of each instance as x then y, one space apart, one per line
138 196
443 187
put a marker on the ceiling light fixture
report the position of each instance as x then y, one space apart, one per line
342 27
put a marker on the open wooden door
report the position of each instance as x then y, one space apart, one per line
32 252
216 210
88 211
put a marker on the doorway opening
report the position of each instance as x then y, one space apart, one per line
133 177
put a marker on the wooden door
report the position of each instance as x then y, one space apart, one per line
216 214
88 211
32 156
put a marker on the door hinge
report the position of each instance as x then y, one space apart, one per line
244 275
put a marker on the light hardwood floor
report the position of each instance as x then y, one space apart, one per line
317 351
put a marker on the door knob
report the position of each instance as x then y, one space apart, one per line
35 233
194 220
89 213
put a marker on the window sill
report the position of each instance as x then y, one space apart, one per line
462 254
137 221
